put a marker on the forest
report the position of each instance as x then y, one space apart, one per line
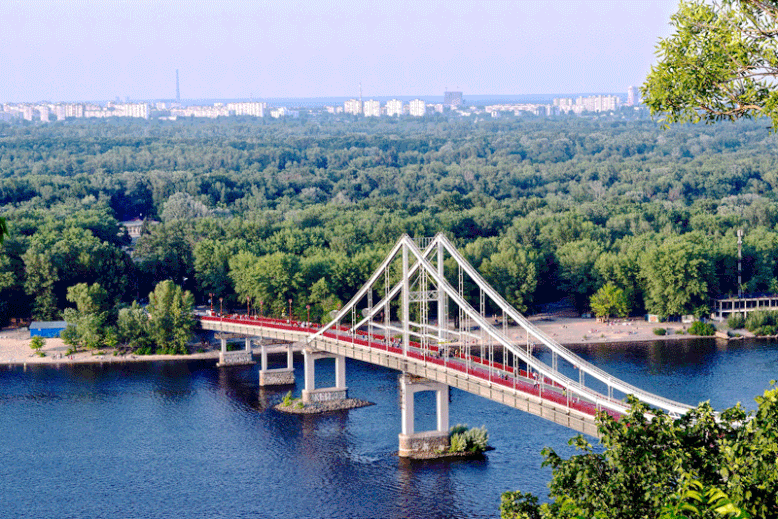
304 209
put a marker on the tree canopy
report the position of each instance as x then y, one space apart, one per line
609 300
721 63
545 208
702 465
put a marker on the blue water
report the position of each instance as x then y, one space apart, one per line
186 439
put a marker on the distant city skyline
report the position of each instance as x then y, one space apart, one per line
95 50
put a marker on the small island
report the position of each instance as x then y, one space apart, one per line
294 405
464 443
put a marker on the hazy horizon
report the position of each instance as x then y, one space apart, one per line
472 99
101 50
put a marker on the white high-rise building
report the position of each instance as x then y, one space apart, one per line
74 110
353 106
394 107
139 110
254 109
277 113
598 103
372 108
417 108
632 98
43 110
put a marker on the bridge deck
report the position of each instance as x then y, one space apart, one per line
490 380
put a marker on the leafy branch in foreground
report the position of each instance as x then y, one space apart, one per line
701 465
721 63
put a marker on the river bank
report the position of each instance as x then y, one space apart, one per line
15 350
570 331
15 343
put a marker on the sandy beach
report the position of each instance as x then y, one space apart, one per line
15 343
15 350
572 331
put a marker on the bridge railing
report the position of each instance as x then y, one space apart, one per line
423 267
576 361
471 366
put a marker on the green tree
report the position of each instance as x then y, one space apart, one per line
513 273
678 276
133 327
42 277
171 318
165 252
211 264
13 299
577 275
701 465
274 278
89 299
89 321
182 206
59 257
622 268
37 342
323 301
719 64
609 300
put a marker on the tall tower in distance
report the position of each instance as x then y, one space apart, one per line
178 92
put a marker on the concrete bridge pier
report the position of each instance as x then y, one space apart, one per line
277 376
235 358
415 443
326 394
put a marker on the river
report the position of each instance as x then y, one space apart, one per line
186 439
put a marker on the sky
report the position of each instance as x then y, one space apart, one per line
81 50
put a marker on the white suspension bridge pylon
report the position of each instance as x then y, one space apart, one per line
474 337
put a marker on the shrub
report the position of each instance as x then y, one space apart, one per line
703 329
36 343
477 439
288 399
462 439
457 443
457 429
736 321
762 323
659 331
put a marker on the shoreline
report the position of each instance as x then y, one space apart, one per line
569 331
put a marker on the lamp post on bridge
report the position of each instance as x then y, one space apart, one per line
261 303
248 306
290 310
221 306
210 300
308 309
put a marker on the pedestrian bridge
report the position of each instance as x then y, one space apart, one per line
461 347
